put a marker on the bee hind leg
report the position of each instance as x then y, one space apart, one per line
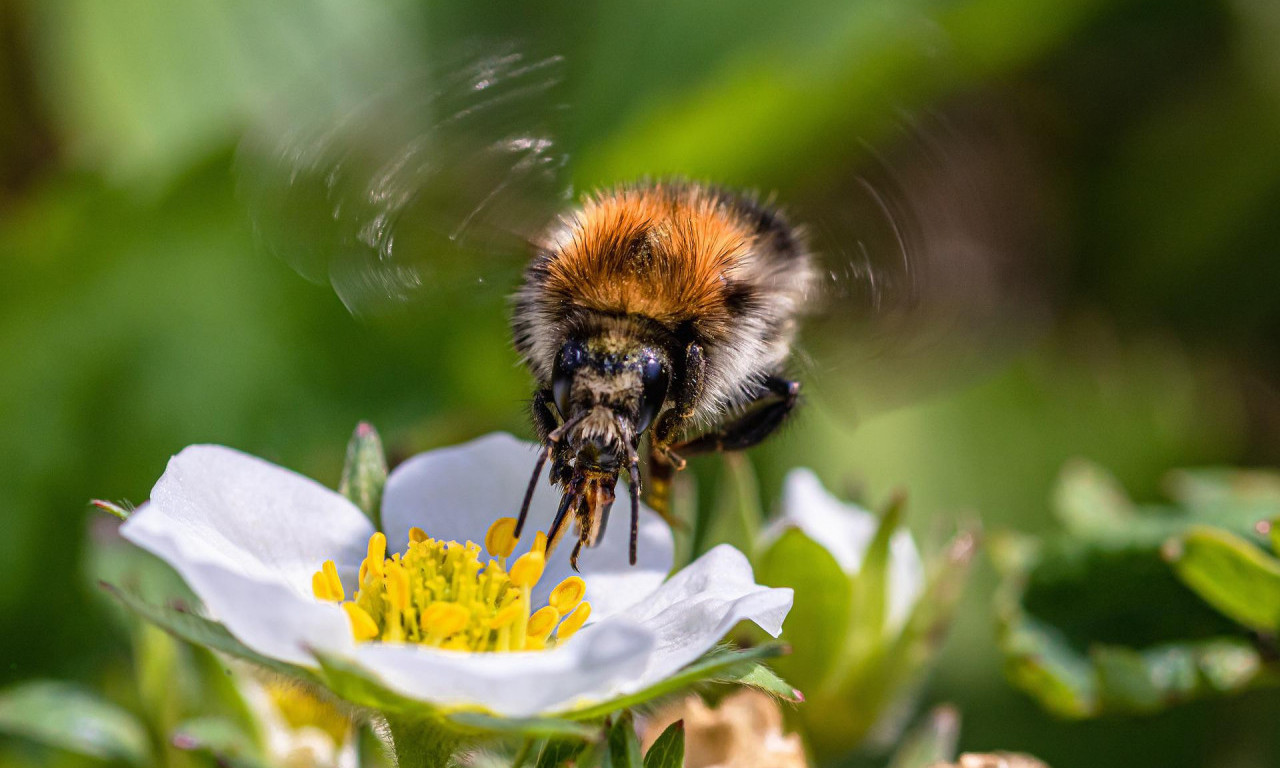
777 400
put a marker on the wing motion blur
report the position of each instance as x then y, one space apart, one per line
933 243
432 186
937 259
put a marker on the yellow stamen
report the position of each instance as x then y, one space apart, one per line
539 543
527 569
326 585
570 626
320 586
541 623
444 619
566 596
442 594
335 583
377 554
362 624
507 616
397 585
500 540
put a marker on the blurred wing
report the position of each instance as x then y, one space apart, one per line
936 261
433 186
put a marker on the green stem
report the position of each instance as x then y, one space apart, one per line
421 742
522 754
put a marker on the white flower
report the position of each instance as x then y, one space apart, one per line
846 530
249 537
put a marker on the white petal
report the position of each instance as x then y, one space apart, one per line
456 493
699 605
586 669
846 530
247 535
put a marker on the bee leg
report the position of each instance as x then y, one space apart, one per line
634 469
763 417
528 494
663 462
545 419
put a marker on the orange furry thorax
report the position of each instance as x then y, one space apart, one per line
668 253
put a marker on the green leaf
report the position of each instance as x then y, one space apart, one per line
817 628
67 716
359 686
222 739
668 750
1126 683
1136 608
558 752
1204 488
1040 662
201 631
1231 574
1093 507
530 727
723 665
1088 499
364 474
624 745
932 741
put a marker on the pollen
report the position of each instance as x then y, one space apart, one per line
447 594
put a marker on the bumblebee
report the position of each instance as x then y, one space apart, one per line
659 308
666 308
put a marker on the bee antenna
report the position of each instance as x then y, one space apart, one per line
533 484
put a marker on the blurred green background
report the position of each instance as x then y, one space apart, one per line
138 315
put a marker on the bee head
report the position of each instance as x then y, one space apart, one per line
608 391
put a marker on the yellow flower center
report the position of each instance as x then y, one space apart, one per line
442 594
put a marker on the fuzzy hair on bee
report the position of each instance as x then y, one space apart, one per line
659 307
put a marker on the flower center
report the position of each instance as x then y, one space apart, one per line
441 594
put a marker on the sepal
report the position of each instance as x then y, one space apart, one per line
364 474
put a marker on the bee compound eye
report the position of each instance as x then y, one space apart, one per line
655 378
568 361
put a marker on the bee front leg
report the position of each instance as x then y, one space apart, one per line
545 419
663 462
